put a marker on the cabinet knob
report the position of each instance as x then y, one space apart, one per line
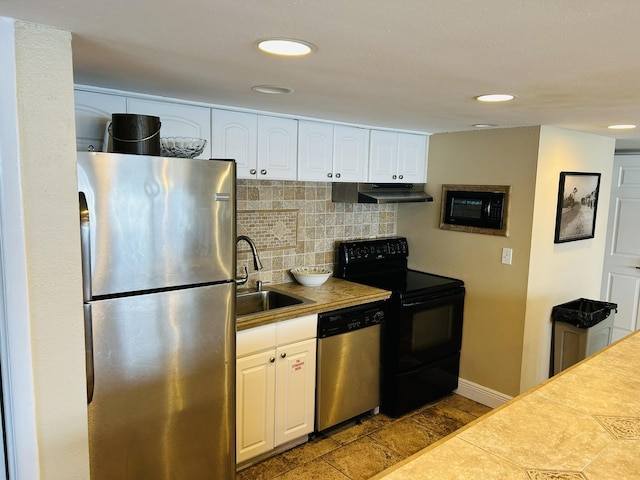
329 174
394 177
401 177
272 359
283 355
253 171
337 175
263 172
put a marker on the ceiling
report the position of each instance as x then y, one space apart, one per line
406 64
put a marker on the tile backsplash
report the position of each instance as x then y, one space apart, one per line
296 223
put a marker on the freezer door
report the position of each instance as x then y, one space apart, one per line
156 222
163 403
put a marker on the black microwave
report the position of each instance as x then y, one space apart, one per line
483 209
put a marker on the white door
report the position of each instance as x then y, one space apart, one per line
93 113
350 154
315 151
412 158
383 156
235 135
621 271
255 396
277 148
295 390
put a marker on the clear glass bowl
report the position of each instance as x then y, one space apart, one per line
183 147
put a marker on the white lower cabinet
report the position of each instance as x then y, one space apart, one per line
275 385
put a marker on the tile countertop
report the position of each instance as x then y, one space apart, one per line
334 294
582 424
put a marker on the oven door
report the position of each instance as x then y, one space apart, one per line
430 328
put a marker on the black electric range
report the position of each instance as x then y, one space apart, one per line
382 263
422 333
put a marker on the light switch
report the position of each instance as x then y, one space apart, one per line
506 256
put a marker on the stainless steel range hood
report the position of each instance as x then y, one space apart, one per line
379 193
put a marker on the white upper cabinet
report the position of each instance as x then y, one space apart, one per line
93 113
350 154
266 147
398 157
277 148
315 151
177 120
235 135
332 153
263 147
383 156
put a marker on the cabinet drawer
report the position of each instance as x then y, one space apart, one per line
256 339
297 329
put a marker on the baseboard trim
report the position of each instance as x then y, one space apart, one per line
480 394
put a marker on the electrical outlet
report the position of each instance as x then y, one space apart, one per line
507 253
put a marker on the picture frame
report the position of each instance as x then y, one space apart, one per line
577 206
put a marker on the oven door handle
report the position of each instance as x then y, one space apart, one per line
435 298
415 304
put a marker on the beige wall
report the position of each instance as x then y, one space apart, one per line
562 272
496 293
40 243
506 333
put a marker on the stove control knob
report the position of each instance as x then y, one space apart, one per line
378 316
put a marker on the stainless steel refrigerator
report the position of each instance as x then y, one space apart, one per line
158 243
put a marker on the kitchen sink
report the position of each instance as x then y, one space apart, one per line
250 303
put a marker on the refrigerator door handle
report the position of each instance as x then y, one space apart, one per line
88 348
85 247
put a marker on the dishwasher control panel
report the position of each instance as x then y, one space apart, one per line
350 319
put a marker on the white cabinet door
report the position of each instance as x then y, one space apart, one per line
177 120
315 151
277 148
295 390
412 158
350 154
93 112
383 156
235 135
255 410
397 157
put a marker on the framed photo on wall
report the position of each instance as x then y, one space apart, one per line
577 206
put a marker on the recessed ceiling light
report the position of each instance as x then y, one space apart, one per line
495 97
286 46
622 127
272 89
484 125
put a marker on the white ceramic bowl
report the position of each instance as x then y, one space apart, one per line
311 276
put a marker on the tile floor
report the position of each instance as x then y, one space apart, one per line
358 451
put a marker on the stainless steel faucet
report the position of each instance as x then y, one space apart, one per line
257 263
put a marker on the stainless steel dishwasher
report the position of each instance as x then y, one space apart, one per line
348 366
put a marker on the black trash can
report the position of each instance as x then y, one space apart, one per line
580 328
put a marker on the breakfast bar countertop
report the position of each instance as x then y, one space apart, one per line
582 424
334 294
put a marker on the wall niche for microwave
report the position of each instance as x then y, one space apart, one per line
476 209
